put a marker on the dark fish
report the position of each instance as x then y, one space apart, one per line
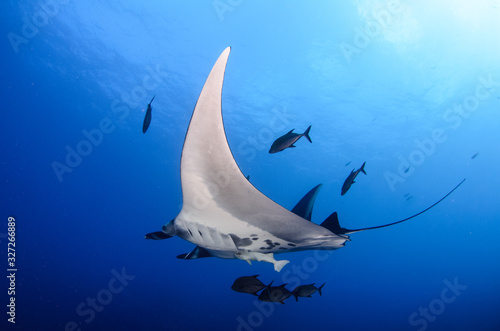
474 156
408 196
348 163
350 179
288 140
248 284
407 169
306 291
147 118
275 294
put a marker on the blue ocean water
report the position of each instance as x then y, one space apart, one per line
412 88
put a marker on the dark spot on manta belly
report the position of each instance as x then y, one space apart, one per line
290 244
270 245
240 242
256 238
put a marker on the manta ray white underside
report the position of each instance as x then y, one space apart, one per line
222 211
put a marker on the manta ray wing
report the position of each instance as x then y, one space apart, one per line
222 211
305 206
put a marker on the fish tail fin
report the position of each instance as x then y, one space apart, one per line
319 288
278 265
362 169
306 134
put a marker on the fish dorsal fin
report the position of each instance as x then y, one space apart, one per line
290 131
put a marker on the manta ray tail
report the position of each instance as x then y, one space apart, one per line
332 222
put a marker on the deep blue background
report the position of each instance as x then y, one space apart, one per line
373 105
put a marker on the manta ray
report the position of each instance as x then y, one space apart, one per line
222 212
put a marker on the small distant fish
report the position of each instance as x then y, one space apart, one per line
474 156
275 294
350 179
407 169
147 118
347 163
248 284
288 140
306 291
